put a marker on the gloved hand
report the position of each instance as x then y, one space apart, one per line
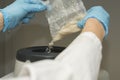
100 14
20 10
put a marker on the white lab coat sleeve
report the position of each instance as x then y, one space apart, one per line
79 61
84 56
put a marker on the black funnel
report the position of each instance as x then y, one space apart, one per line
37 53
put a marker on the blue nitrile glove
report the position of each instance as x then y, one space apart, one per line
27 18
100 14
20 11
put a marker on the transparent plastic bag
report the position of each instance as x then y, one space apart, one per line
61 12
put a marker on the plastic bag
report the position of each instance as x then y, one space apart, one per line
63 16
61 12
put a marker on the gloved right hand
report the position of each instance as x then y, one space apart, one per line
100 14
20 10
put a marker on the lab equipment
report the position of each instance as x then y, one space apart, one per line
99 13
33 54
63 16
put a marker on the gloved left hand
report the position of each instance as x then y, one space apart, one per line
20 10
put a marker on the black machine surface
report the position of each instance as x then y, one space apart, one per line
38 53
